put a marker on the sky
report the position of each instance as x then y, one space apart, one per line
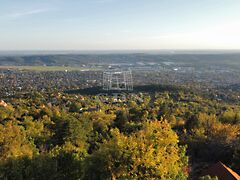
119 24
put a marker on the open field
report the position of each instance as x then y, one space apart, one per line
47 68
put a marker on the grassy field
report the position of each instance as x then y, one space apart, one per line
47 68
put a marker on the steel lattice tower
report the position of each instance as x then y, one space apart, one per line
117 80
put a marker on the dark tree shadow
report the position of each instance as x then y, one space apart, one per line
137 89
41 167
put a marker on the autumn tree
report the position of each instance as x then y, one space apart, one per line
14 142
151 153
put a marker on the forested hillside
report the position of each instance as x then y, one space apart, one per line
159 135
77 60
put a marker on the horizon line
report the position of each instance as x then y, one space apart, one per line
114 51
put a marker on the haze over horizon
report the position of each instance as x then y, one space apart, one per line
116 25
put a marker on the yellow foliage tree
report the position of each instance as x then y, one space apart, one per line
13 142
151 153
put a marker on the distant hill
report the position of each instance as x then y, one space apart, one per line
79 59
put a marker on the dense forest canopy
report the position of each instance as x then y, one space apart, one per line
162 135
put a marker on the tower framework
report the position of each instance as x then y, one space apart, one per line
117 80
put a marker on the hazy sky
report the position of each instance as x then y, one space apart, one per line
119 24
